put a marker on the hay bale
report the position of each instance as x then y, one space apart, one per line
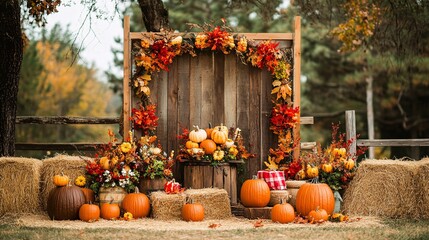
215 202
19 185
167 206
71 166
423 179
387 188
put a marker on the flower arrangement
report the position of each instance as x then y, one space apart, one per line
156 51
334 165
145 118
114 165
214 145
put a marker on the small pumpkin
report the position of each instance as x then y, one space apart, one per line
339 152
190 144
155 150
255 193
110 211
64 202
197 135
219 136
312 172
327 168
218 155
61 180
222 128
313 195
349 164
172 187
89 212
318 215
137 204
89 195
283 213
105 163
193 212
229 143
208 145
209 131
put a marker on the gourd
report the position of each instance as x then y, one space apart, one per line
89 195
327 168
61 180
137 204
314 195
219 136
110 211
283 212
190 144
208 145
209 131
318 215
105 163
349 164
64 202
192 211
312 172
255 193
197 135
222 128
89 212
172 187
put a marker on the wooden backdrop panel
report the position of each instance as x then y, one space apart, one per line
214 88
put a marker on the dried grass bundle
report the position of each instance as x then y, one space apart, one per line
167 206
215 202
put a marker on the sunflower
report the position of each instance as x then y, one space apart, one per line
126 147
128 216
80 181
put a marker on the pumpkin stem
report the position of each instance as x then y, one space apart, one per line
189 200
254 177
210 125
196 128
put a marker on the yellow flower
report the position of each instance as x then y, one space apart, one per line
126 147
128 216
233 151
218 155
242 45
145 43
230 42
80 181
177 40
201 41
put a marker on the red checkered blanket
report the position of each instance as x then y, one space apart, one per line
274 179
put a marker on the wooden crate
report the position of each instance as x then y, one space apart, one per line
199 175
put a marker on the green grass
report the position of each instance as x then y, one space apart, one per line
389 229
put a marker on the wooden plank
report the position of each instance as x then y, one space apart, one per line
257 213
162 107
230 90
308 145
393 142
207 86
233 175
306 120
207 176
172 113
218 177
351 130
218 89
268 138
58 146
126 104
255 79
227 179
65 120
297 80
195 90
187 173
254 36
197 176
242 121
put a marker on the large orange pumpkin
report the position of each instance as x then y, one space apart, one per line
314 195
193 212
208 145
110 211
89 212
282 213
137 204
255 193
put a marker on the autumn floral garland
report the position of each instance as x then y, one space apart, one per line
156 51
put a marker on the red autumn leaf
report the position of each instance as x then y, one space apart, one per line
258 223
215 225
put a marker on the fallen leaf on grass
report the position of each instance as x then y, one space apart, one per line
300 220
258 224
215 225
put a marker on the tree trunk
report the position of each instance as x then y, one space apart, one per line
11 51
155 16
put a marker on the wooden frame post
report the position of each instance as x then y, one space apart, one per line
351 130
126 108
297 83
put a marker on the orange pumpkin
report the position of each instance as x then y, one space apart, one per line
318 215
255 193
208 145
110 211
89 195
222 128
61 180
137 204
197 135
283 213
313 195
349 164
89 212
190 144
209 131
219 136
193 212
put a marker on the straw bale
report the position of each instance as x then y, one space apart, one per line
215 202
167 206
387 188
19 185
72 166
423 179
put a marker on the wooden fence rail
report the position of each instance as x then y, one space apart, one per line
65 120
351 134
